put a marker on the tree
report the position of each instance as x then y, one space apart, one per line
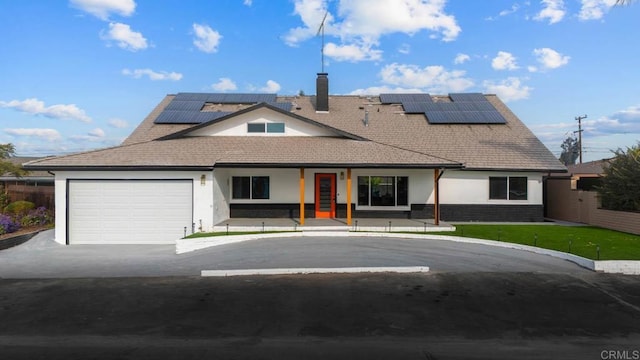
620 189
570 151
7 167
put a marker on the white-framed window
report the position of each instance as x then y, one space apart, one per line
383 191
261 127
508 188
250 187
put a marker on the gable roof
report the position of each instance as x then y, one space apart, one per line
368 133
335 131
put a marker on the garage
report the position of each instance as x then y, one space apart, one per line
128 211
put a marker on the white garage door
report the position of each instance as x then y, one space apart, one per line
129 211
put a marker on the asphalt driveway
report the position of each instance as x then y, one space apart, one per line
41 257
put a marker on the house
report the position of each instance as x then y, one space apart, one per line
198 159
35 186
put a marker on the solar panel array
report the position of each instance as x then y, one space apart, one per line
469 108
404 98
185 108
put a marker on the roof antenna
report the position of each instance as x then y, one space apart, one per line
321 30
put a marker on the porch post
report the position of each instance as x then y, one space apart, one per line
348 196
436 197
301 196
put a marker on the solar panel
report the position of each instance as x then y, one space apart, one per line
240 98
404 98
185 105
286 106
469 97
191 97
414 107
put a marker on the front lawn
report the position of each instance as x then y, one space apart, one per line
579 240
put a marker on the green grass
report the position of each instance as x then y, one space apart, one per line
224 233
579 240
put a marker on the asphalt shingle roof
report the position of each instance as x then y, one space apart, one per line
393 139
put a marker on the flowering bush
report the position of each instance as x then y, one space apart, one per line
7 224
36 217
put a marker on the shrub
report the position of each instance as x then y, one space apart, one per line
8 225
37 217
17 208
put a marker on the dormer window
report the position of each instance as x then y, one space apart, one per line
271 128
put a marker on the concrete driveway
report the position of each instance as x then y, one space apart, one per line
41 257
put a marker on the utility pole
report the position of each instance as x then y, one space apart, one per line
579 119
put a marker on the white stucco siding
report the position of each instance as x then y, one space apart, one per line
203 200
237 126
472 187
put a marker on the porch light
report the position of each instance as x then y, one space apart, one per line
341 175
203 179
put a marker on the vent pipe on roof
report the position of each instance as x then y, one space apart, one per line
322 92
366 118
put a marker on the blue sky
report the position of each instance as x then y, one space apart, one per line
81 74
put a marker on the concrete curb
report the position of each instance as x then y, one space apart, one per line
605 266
297 271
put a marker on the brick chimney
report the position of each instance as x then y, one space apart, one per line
322 92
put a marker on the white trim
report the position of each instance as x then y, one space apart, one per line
296 271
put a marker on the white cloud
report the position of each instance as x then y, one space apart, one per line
513 9
207 39
510 89
118 123
377 90
248 2
37 107
102 9
352 52
595 9
46 134
553 11
549 59
430 78
124 37
404 49
363 22
461 58
271 87
153 75
97 133
504 61
224 84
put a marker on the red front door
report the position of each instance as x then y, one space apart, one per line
325 195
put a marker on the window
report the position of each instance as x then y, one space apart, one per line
275 128
383 190
511 188
272 128
255 127
250 187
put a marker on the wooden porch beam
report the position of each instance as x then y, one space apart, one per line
436 197
349 196
301 196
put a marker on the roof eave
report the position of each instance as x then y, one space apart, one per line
337 165
54 168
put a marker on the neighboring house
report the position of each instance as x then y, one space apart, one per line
565 195
35 186
199 159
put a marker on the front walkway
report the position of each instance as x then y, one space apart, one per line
311 224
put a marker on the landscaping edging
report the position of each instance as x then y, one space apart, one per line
16 240
627 267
